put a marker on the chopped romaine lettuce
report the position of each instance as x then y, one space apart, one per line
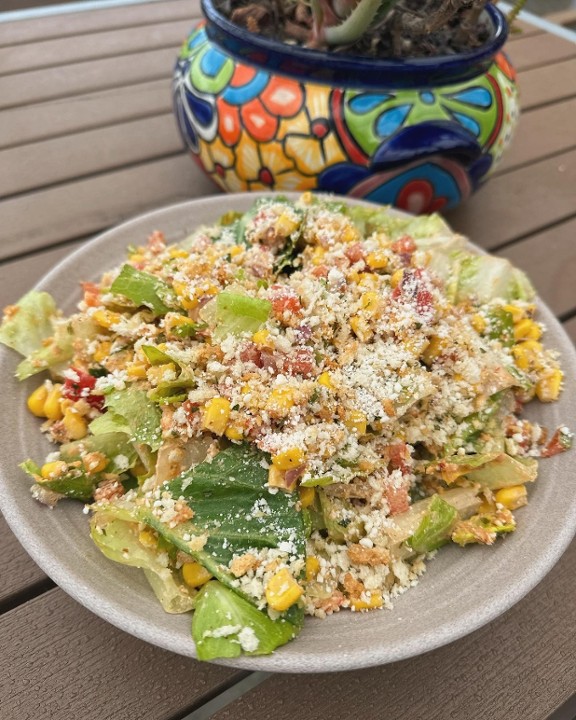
131 408
435 527
116 446
74 483
483 528
505 471
28 323
144 289
485 278
237 313
226 625
154 355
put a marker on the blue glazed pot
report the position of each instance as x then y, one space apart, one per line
420 134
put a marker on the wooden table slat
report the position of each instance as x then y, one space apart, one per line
55 53
70 80
114 675
45 163
547 84
80 23
529 52
18 572
488 674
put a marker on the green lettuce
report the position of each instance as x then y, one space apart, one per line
237 313
435 527
130 411
485 277
144 289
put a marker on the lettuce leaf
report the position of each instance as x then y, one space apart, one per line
485 277
225 625
435 527
132 412
144 289
30 322
237 313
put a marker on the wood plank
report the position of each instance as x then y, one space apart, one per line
41 85
547 84
82 667
539 50
522 29
563 17
80 23
542 132
87 206
48 162
549 258
21 125
519 667
519 203
124 41
17 570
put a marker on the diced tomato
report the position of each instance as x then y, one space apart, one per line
404 245
300 362
355 253
414 288
157 242
558 443
398 499
284 299
398 456
251 353
79 385
320 272
91 294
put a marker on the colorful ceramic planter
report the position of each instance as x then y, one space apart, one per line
419 134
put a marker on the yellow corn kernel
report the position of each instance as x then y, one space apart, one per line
548 386
276 477
377 260
148 538
396 278
37 400
512 497
356 422
236 250
106 318
102 351
312 567
370 301
281 400
53 470
288 459
94 462
137 370
216 415
282 591
374 601
527 354
161 373
478 323
307 495
262 338
286 225
434 349
349 234
527 329
517 312
178 253
233 432
136 258
318 255
52 409
75 425
195 575
360 328
325 380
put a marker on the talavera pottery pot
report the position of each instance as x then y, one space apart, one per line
419 134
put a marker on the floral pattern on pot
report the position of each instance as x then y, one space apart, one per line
421 150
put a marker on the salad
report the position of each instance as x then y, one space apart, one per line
290 411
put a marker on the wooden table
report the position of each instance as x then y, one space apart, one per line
87 139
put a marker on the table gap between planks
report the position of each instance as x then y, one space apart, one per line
87 140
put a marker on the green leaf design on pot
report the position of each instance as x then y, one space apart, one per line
211 70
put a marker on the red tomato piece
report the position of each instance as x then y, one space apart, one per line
284 299
78 385
404 245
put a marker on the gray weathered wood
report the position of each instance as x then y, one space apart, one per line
18 572
82 667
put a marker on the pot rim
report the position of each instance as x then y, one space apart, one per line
326 66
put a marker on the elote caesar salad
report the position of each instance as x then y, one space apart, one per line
289 411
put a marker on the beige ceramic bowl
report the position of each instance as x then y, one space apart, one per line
462 589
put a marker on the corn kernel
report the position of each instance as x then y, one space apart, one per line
325 380
527 329
289 459
52 409
106 318
318 255
148 538
307 495
178 253
374 601
360 328
53 470
349 234
512 497
517 312
233 432
216 415
37 400
94 462
236 250
548 386
276 477
356 422
102 351
312 567
136 258
527 354
262 338
396 278
478 323
195 575
280 400
434 349
137 370
75 425
282 591
286 225
161 373
370 301
377 260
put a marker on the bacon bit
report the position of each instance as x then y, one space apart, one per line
398 499
91 294
303 333
360 555
300 362
353 587
355 253
398 457
291 476
109 489
321 271
241 565
183 513
157 242
332 604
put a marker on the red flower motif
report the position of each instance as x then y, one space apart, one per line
417 196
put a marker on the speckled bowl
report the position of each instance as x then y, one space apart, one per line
461 590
